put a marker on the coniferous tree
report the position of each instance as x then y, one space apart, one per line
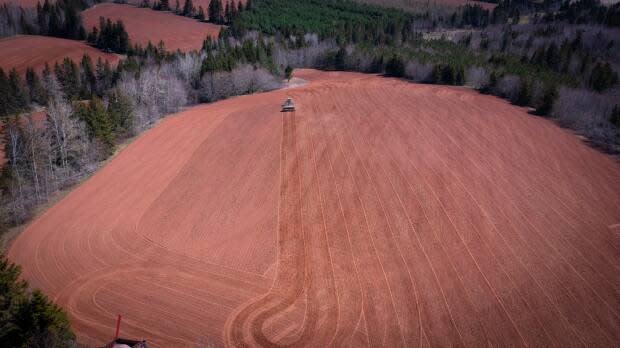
201 14
120 113
47 72
395 67
123 38
215 11
54 27
377 65
40 18
339 59
18 95
5 92
524 97
211 11
227 13
546 104
88 81
98 123
104 75
188 8
552 56
92 36
490 86
221 15
459 76
234 12
615 116
603 77
35 88
288 72
445 74
14 95
68 76
60 19
110 37
29 318
73 24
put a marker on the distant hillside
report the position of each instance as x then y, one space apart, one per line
413 5
23 3
33 51
144 25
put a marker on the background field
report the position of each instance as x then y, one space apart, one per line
31 51
24 3
380 213
144 25
196 3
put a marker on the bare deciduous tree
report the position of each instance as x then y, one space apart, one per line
508 87
477 77
418 72
243 79
156 92
589 114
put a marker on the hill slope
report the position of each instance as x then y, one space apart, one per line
380 213
33 51
144 25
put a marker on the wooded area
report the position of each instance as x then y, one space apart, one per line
27 317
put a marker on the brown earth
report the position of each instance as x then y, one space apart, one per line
381 213
204 3
24 51
144 25
24 3
196 3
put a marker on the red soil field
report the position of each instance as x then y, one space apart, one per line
24 3
380 213
24 51
144 25
203 3
196 3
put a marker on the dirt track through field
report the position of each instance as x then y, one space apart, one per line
380 213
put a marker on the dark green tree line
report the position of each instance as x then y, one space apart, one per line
110 37
27 317
61 19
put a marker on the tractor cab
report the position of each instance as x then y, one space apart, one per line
288 105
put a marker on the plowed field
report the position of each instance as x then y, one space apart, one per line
380 213
144 25
32 51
